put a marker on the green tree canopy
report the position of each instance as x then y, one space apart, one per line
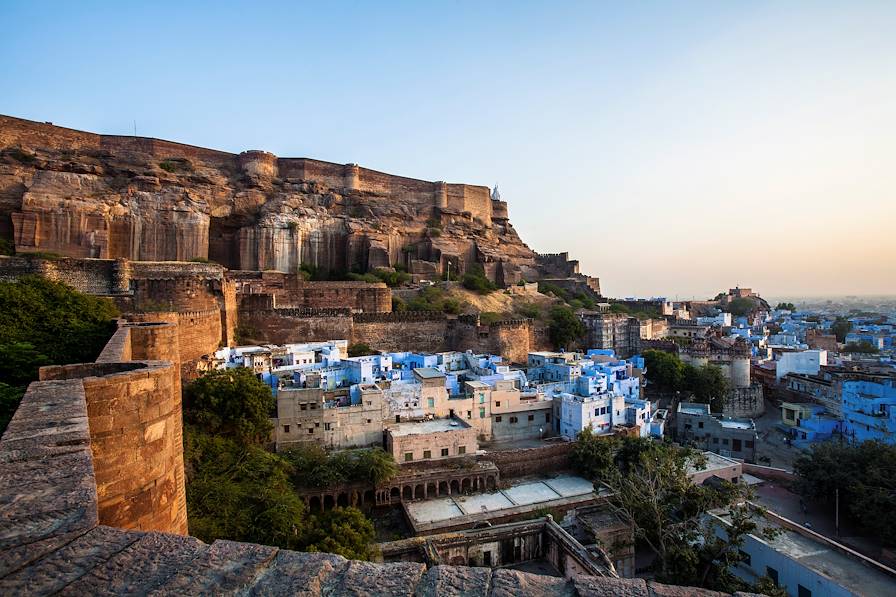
740 306
865 476
840 328
785 307
476 281
664 369
241 492
360 349
344 531
314 467
46 323
232 403
565 328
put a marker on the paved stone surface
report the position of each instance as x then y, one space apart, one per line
299 574
448 581
510 583
611 587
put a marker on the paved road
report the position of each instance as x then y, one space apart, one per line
771 440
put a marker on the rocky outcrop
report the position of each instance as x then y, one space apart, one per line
86 195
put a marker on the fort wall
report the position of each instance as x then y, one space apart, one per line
402 331
530 461
133 411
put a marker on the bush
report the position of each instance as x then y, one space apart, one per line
168 166
489 317
7 247
863 347
476 281
433 298
530 310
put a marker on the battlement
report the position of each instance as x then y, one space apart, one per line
398 317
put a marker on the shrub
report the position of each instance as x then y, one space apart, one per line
476 281
565 327
168 166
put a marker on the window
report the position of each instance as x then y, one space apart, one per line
444 451
311 430
498 419
802 591
481 413
313 406
481 398
531 417
772 574
461 449
326 427
431 402
725 441
408 456
513 419
547 417
715 440
498 403
749 444
469 414
700 424
745 557
596 412
286 429
427 454
317 424
303 406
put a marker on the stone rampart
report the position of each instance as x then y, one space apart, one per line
744 402
133 412
91 276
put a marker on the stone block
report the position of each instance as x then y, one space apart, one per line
590 586
447 581
300 574
225 567
363 579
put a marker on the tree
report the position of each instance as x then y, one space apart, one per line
593 455
565 328
46 323
343 531
232 403
314 467
840 328
241 492
360 349
708 383
740 306
785 307
863 347
669 515
864 475
664 369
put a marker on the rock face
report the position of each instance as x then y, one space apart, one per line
86 195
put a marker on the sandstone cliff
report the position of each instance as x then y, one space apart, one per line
87 195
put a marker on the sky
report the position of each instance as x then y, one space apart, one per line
674 149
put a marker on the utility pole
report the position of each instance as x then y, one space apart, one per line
448 273
135 127
837 510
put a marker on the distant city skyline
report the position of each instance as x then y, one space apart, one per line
674 150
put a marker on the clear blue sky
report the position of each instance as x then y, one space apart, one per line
674 148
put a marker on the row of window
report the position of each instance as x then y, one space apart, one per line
530 418
427 454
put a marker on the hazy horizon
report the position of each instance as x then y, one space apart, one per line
674 150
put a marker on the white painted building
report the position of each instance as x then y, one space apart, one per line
806 362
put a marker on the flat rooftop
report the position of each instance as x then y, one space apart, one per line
735 424
523 496
714 462
827 560
428 373
425 427
702 409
